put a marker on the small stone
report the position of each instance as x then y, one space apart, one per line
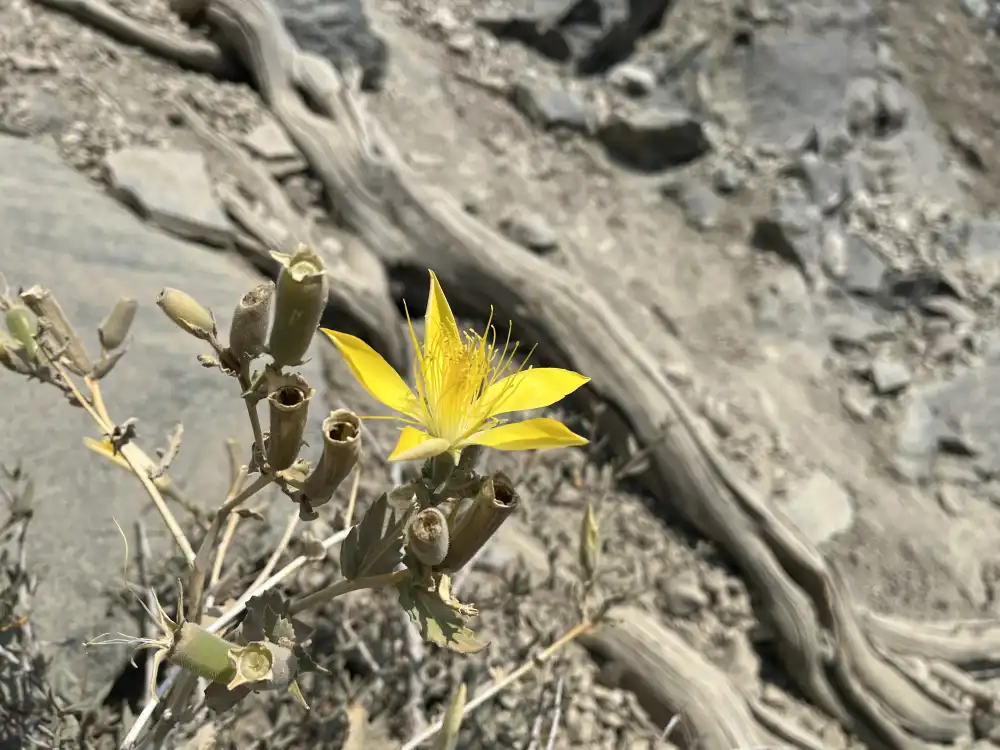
269 141
728 178
530 229
683 594
825 184
634 80
966 143
864 266
655 138
171 189
551 108
889 376
462 42
819 506
700 204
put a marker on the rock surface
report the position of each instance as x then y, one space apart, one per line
61 232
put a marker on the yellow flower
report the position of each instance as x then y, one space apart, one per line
464 381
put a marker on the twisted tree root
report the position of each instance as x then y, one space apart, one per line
825 644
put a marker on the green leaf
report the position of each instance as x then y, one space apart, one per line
438 622
374 546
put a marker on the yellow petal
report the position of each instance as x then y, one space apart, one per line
532 389
415 445
439 322
104 448
373 372
531 434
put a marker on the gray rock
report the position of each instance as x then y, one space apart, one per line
889 376
700 204
594 36
171 189
62 233
340 31
824 183
269 141
551 108
655 138
634 80
819 506
530 229
910 288
851 325
864 266
29 111
728 177
792 230
796 80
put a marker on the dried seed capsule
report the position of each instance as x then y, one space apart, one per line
248 332
45 305
23 326
187 313
262 665
427 536
341 449
590 548
300 298
288 402
494 502
114 329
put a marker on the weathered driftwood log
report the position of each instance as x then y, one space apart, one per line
667 675
826 646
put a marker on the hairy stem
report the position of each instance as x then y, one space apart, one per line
345 587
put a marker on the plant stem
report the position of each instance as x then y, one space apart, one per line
571 635
345 587
258 435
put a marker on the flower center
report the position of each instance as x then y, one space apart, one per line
452 377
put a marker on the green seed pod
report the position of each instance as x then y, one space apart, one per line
203 653
341 449
288 402
23 326
11 353
427 537
262 665
494 502
45 305
187 313
248 332
590 549
300 299
114 329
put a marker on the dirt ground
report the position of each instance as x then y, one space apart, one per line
731 325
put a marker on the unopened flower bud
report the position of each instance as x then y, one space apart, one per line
427 537
23 326
300 298
248 332
10 353
341 449
494 502
114 329
45 305
288 402
187 313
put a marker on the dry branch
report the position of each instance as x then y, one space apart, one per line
404 222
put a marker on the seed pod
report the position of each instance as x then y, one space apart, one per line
341 449
427 537
45 305
263 665
114 329
589 550
494 502
187 313
300 298
288 402
248 332
23 326
203 653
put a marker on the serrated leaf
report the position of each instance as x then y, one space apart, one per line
438 622
374 546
